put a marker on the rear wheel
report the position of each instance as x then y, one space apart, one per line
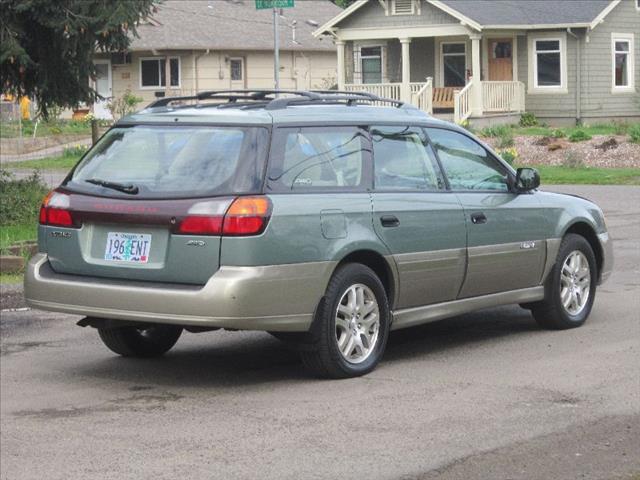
143 342
352 325
571 286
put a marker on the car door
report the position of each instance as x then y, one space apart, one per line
506 231
421 223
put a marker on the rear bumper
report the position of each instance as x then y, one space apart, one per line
606 245
276 298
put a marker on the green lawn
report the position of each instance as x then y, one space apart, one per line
11 278
15 233
57 127
588 176
63 162
541 130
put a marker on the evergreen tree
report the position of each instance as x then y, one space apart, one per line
47 46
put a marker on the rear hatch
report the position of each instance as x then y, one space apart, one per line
148 202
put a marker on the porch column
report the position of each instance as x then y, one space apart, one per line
405 94
341 46
476 88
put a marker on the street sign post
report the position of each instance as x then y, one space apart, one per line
266 4
275 5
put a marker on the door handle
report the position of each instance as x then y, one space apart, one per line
389 221
478 218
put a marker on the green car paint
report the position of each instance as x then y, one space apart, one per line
438 260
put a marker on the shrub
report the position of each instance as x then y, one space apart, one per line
495 131
558 133
634 133
20 199
124 105
620 128
572 160
509 155
528 119
505 140
75 151
579 136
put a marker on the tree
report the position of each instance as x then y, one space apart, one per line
47 46
343 3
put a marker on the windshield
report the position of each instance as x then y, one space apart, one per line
171 162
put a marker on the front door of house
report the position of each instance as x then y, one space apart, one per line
104 88
500 59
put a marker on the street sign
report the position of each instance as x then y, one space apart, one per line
267 4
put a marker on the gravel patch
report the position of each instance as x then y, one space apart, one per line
600 151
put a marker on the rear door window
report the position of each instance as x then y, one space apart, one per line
319 158
172 162
404 160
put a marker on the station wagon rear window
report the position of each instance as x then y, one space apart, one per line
174 162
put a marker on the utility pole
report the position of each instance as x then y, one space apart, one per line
276 49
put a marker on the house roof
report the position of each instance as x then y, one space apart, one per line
232 25
480 14
530 13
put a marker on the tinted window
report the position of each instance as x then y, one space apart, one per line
403 160
176 161
467 164
318 158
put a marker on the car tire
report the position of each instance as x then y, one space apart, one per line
142 342
570 288
351 325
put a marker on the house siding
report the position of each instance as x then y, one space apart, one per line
544 105
372 15
297 71
597 98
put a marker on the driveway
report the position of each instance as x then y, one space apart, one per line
482 396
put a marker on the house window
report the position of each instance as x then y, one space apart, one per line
548 58
454 64
153 73
402 7
623 62
237 74
548 63
371 64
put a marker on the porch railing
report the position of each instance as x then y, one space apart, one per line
462 104
385 90
502 96
422 95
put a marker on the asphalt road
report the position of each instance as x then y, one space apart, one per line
481 396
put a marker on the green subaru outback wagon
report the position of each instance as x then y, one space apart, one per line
325 218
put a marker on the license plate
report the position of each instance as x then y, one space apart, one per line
127 247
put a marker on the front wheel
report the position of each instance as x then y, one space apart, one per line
352 325
143 342
571 287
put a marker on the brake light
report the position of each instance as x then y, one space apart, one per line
244 216
55 212
201 225
247 216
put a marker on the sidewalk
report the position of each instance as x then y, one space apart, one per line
45 152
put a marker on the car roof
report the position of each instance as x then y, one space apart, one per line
292 114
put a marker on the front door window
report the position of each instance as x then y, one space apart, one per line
454 64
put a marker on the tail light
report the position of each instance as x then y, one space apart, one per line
55 212
245 216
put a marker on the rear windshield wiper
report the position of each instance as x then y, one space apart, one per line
121 187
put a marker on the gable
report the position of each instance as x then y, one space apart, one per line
372 15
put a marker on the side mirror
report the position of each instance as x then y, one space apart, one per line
527 179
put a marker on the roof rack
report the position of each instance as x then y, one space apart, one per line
272 99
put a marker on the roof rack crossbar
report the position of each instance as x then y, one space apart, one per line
271 99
